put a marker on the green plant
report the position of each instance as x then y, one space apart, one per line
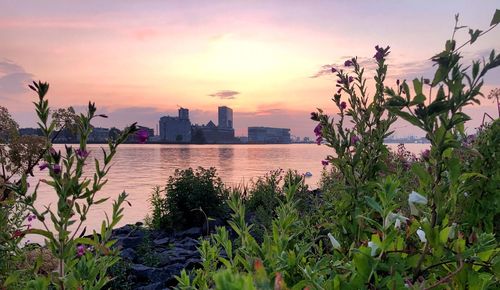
82 262
185 194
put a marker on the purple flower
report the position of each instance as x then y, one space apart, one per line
343 105
80 250
31 217
348 63
319 140
43 166
324 162
333 70
426 154
351 79
397 82
82 153
57 169
142 135
381 53
354 139
317 130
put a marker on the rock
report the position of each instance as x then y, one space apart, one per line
188 243
194 232
128 254
125 230
154 286
128 242
162 242
145 273
179 251
166 258
192 263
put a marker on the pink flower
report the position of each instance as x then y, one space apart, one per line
81 153
57 169
317 130
142 135
324 162
354 139
343 105
80 250
31 217
43 166
348 63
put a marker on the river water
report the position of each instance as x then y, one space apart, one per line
138 168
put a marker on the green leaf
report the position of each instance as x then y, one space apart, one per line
417 86
496 18
474 34
373 204
443 235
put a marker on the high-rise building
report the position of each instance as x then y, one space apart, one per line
176 129
225 117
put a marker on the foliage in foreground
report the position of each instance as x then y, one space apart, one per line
369 233
82 262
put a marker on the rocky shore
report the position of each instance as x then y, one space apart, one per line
170 252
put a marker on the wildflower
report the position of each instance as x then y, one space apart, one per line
351 79
43 166
81 153
381 53
57 169
348 63
319 140
421 236
324 162
317 130
333 70
80 250
339 91
335 243
394 218
374 248
397 82
426 154
427 81
314 116
17 234
414 198
142 135
354 139
343 105
31 217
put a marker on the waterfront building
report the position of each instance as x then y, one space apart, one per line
176 129
268 135
225 118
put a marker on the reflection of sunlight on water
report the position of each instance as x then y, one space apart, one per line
138 168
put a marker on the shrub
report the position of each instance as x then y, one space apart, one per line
188 199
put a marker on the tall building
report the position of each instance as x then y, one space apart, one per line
225 117
176 129
268 135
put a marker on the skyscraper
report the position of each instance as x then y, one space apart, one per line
225 117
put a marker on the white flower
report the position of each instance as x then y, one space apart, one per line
394 218
421 236
374 248
414 198
335 243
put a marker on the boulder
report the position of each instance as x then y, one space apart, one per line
188 243
128 242
128 253
154 286
194 232
145 273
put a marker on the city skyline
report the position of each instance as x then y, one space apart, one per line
266 60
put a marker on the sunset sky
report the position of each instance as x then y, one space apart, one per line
139 60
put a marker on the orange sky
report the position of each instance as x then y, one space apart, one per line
138 60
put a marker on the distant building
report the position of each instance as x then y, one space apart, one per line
225 118
268 135
30 132
176 129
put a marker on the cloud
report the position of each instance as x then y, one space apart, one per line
145 33
225 94
13 79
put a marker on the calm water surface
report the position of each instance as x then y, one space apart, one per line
138 168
